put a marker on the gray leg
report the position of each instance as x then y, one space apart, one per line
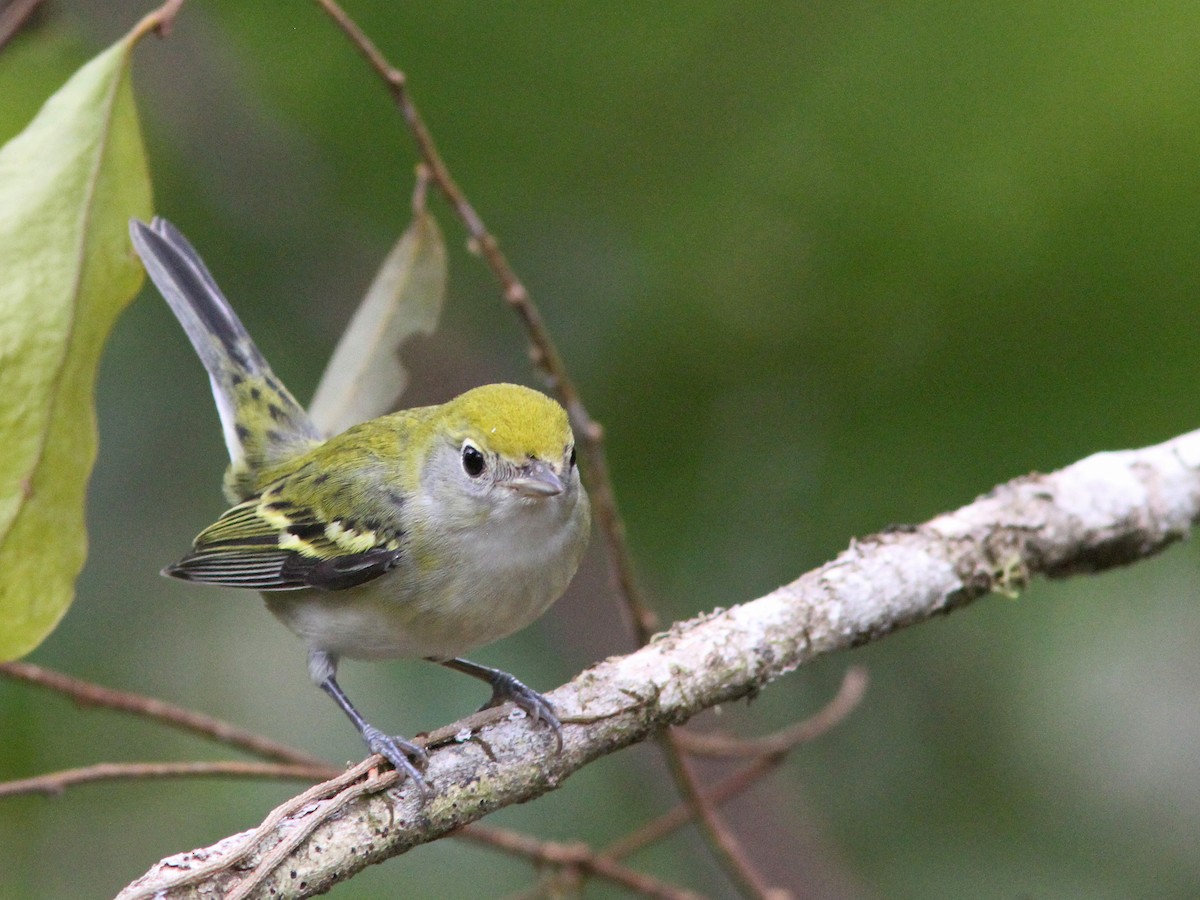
504 688
404 756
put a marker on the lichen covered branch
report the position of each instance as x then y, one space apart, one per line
1107 510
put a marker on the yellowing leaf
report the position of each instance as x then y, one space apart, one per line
364 377
68 185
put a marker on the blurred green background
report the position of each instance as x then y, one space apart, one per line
819 268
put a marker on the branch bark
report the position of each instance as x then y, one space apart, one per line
1104 511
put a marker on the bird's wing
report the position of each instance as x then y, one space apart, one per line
269 543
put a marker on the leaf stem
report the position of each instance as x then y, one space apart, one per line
159 20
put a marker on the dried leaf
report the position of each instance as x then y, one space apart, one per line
365 378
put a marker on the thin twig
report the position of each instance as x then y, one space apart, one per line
572 856
327 809
545 355
848 697
215 862
88 694
728 850
57 782
291 763
14 16
543 351
715 744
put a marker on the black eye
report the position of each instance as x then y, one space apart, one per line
571 461
472 460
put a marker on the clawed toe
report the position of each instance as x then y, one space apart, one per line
406 758
505 688
537 707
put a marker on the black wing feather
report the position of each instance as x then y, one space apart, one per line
340 572
242 549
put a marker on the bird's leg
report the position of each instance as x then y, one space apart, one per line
504 688
404 756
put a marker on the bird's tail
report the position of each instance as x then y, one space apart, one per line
262 422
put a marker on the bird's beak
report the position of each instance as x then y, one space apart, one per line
537 480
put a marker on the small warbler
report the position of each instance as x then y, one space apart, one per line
424 533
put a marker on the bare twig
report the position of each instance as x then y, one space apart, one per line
545 355
292 763
57 782
88 694
190 869
776 746
715 744
13 16
543 351
727 848
578 857
326 810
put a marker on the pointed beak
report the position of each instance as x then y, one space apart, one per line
537 480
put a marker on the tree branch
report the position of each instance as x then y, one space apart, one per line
85 693
15 15
56 782
577 857
767 752
1107 510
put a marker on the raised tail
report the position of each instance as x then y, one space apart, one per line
263 424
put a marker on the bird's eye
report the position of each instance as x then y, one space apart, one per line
571 461
472 460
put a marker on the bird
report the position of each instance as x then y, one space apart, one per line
422 534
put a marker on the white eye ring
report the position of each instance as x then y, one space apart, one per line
473 462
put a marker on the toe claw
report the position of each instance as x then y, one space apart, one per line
504 688
406 758
537 707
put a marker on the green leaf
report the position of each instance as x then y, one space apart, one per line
365 378
68 185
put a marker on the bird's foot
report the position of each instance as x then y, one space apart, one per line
505 688
406 757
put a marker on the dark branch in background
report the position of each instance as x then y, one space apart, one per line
15 15
56 782
291 763
728 849
767 752
543 351
87 694
1108 510
576 859
545 355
